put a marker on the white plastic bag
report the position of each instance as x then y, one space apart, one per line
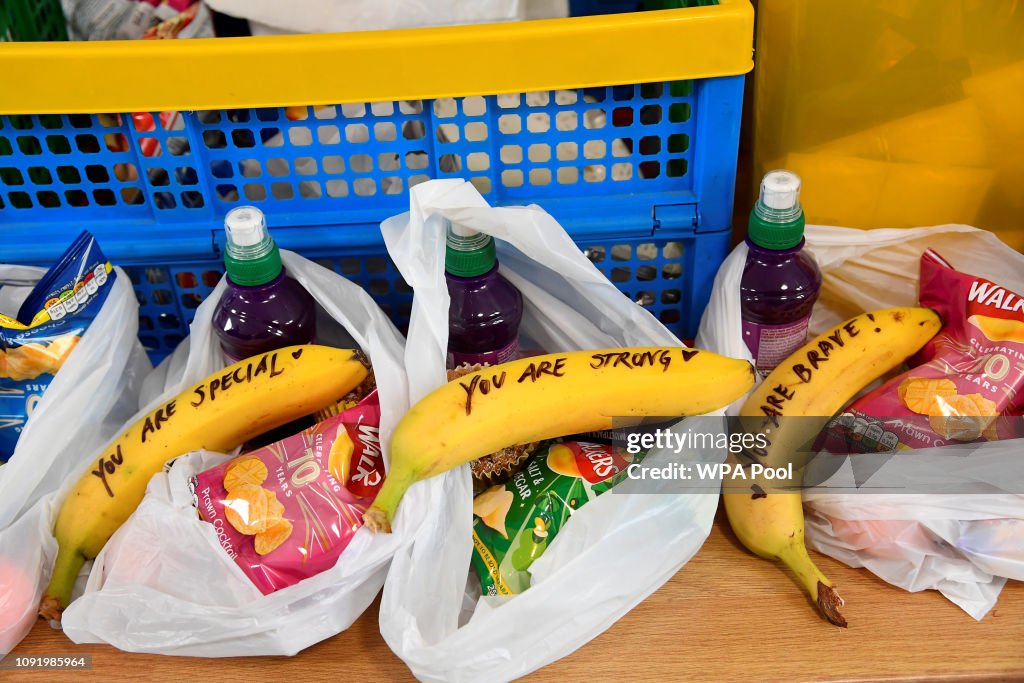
963 545
163 584
618 548
320 16
91 396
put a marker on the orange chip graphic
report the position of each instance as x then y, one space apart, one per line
247 470
268 541
904 385
492 507
38 353
999 329
985 406
15 366
923 395
246 509
60 348
959 418
275 508
562 460
339 463
28 362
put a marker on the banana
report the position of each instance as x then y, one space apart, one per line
816 382
543 397
229 407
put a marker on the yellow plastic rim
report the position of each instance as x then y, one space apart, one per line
332 68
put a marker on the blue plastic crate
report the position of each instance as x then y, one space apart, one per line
640 175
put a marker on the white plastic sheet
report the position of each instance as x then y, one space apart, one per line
89 399
163 584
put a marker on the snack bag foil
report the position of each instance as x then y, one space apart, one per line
286 511
514 522
968 376
36 343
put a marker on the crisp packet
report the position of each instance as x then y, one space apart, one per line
963 381
516 521
286 511
36 343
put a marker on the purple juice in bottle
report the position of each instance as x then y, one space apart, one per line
262 308
485 310
781 281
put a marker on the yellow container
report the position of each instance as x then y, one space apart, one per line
896 113
372 66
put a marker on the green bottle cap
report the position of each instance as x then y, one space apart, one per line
468 253
777 220
251 257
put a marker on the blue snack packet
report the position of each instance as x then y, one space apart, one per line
35 344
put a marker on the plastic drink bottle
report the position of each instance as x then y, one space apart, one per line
485 310
780 280
262 308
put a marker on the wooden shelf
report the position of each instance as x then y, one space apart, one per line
725 616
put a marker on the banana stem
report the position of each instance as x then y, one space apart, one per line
814 582
62 582
829 603
380 515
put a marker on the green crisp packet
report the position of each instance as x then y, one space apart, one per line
515 522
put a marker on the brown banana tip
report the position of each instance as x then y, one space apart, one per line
50 608
829 603
376 520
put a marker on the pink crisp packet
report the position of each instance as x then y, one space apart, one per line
286 511
965 383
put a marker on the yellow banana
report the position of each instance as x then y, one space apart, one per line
815 382
548 396
229 407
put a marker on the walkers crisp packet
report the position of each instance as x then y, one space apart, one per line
286 511
36 343
514 522
967 377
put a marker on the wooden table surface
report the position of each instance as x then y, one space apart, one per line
725 616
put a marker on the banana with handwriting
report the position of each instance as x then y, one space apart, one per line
815 382
548 396
226 409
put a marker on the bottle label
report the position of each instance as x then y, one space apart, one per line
772 344
502 355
